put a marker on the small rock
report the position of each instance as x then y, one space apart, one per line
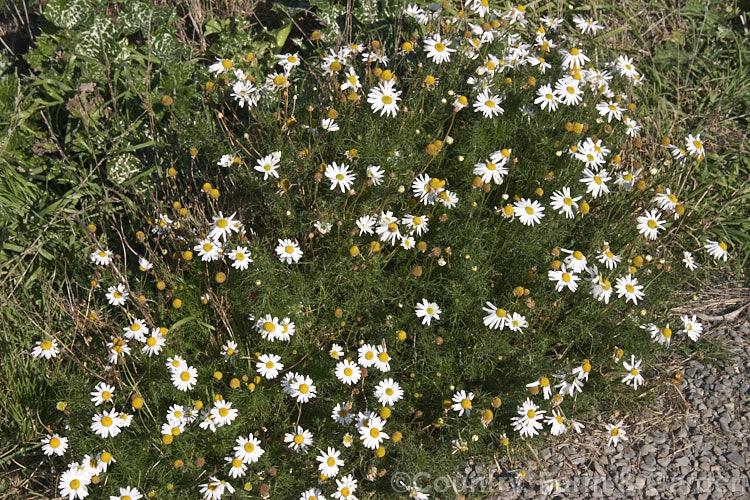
599 469
647 449
724 423
736 459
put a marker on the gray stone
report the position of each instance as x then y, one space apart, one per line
647 449
736 459
659 438
724 423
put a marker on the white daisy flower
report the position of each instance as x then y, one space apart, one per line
384 99
427 311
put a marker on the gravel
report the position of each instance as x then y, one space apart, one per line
700 452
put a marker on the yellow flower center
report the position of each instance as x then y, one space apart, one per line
609 254
135 327
102 254
723 246
667 332
223 412
226 64
106 395
489 103
279 80
222 223
46 345
697 144
374 432
566 277
289 249
577 255
462 100
106 421
353 80
530 210
340 177
269 326
348 372
151 342
629 288
559 419
299 439
544 381
269 364
239 256
491 166
430 310
75 484
230 352
387 99
597 179
652 224
185 376
571 90
207 247
634 372
236 462
304 388
500 313
574 51
54 443
291 59
417 221
369 355
331 461
466 403
345 492
389 391
439 47
549 96
249 447
614 432
117 295
531 414
568 201
383 357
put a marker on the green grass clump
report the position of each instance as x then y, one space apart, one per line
360 201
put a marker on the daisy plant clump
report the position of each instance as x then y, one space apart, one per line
385 254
